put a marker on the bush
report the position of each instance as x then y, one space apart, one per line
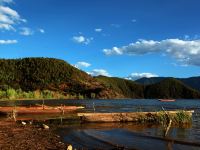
11 93
2 94
47 94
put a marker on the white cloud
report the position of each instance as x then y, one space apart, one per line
133 20
26 31
82 64
135 76
79 39
186 37
6 1
82 40
98 30
8 16
6 27
10 12
41 30
97 72
185 51
6 42
115 25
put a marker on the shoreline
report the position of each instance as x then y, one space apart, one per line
17 136
32 99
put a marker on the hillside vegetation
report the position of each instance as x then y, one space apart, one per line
38 78
193 82
40 74
127 88
170 88
167 88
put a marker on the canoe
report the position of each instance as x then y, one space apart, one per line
167 100
39 110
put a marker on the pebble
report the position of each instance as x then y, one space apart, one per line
46 127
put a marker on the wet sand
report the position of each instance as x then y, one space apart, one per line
14 136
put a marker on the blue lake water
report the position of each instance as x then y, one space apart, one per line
123 105
126 135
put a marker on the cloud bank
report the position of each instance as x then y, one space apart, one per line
98 30
26 31
5 1
97 72
81 64
6 42
135 76
41 30
8 16
82 39
184 51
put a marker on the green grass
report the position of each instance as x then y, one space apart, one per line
181 117
12 94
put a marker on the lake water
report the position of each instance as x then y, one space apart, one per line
127 135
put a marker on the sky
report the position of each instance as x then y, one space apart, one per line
123 38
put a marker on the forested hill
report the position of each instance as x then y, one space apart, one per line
167 88
193 82
127 88
39 74
53 78
170 88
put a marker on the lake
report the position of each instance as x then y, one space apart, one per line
126 135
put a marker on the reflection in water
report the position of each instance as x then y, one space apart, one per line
129 136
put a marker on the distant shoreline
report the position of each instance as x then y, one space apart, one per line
93 99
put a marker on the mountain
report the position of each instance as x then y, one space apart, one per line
152 80
125 88
53 78
170 88
193 82
166 88
31 74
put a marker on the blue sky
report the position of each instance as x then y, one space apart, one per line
124 38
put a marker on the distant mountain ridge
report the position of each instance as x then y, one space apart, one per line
166 88
193 82
170 88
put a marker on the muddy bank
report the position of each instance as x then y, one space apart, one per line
15 136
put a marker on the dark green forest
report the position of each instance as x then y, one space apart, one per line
36 78
40 74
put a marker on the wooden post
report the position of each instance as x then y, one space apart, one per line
168 127
14 114
169 122
63 112
94 107
43 104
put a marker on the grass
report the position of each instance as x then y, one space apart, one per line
12 94
180 117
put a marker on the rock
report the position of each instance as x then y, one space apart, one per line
23 123
31 122
46 127
69 147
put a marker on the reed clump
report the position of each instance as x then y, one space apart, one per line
161 117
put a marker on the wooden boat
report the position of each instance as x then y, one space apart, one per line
39 109
167 100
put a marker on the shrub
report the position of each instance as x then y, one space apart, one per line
11 93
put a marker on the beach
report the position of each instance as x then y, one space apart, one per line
15 136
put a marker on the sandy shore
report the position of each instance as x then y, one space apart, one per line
15 136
